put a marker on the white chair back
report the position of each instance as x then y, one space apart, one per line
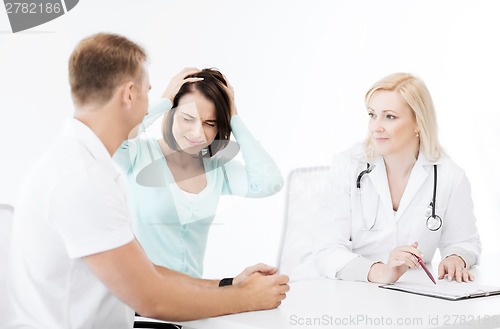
6 217
304 188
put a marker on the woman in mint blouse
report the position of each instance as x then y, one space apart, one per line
174 184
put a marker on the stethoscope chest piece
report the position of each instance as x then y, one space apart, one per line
434 222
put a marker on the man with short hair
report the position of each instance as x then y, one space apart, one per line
74 261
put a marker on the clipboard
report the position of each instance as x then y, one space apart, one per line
143 322
444 289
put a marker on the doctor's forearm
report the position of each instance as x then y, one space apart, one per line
356 270
468 257
382 273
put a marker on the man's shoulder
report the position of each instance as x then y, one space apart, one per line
68 163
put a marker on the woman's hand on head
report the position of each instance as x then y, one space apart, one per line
178 80
230 92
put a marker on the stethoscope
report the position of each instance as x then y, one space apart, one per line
434 222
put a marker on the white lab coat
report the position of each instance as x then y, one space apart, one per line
344 242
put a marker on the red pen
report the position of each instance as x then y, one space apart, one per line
425 269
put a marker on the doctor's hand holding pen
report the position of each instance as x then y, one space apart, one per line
404 257
398 262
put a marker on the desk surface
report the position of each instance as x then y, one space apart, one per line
342 304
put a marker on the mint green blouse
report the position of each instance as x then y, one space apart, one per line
172 225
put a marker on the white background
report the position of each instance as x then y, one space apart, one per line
300 70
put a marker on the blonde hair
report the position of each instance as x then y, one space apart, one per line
418 98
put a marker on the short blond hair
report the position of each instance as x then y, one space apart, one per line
418 98
100 63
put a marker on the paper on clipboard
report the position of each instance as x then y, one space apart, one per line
450 290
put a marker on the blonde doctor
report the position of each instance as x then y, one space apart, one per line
398 196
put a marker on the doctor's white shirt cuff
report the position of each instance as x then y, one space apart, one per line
356 270
469 258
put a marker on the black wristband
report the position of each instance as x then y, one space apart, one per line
226 282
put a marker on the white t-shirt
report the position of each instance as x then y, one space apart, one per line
72 204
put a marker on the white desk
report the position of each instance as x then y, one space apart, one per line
343 304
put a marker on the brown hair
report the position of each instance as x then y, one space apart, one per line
212 88
100 63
